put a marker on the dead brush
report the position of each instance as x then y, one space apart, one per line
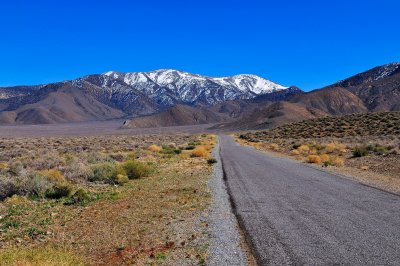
154 148
273 146
314 159
303 149
199 151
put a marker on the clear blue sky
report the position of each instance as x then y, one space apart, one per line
305 43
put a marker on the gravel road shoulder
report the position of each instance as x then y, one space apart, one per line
227 243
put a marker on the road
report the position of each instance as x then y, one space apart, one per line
294 214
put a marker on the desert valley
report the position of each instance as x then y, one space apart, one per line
125 168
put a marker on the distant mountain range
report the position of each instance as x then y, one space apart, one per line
172 98
118 95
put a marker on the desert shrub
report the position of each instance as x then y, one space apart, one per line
337 161
211 161
313 159
296 146
360 151
324 157
78 171
303 149
103 172
170 150
154 148
330 148
59 190
7 187
273 146
121 179
199 152
53 175
35 185
80 196
335 147
49 161
295 152
135 169
380 150
190 147
327 163
15 168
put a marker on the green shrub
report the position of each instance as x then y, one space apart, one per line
295 146
360 151
36 186
120 179
327 163
59 190
190 147
80 196
135 169
380 150
103 172
169 149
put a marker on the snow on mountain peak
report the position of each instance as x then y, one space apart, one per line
387 70
251 83
168 85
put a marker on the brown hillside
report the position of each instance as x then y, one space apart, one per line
273 115
64 105
370 124
178 115
333 101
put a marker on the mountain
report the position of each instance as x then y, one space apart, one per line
377 89
178 115
116 95
171 97
225 111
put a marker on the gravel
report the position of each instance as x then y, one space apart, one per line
225 247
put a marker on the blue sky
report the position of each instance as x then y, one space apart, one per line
305 43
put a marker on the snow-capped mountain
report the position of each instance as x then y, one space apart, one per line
171 86
115 94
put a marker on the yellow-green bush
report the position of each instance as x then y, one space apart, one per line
135 169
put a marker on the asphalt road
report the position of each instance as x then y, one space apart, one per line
294 214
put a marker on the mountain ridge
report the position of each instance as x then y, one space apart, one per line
122 95
239 101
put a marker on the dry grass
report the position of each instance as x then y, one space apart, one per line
200 151
313 159
154 148
38 257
